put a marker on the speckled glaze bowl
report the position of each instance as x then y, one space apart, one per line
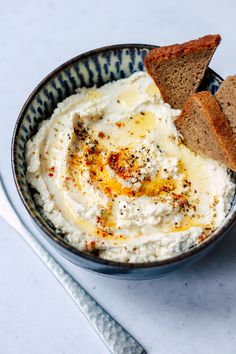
96 67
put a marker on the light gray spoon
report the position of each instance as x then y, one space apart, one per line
117 339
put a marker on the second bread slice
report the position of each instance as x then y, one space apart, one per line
206 130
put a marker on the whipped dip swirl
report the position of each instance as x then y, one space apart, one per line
113 175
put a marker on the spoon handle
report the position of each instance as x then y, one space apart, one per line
117 339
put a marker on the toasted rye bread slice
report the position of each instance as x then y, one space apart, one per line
226 97
206 130
178 69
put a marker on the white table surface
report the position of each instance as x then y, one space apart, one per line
192 311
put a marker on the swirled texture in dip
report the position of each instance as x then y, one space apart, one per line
113 175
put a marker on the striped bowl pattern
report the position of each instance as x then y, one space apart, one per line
96 67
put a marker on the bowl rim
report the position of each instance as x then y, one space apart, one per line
218 233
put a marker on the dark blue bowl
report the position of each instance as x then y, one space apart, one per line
96 67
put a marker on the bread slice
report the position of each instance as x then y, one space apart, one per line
178 69
206 130
226 97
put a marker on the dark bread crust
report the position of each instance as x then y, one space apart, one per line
206 130
172 51
178 69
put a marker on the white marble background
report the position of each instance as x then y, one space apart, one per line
192 311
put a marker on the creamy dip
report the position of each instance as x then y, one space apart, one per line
113 175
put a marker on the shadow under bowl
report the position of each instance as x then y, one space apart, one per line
96 67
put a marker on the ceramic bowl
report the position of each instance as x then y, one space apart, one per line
96 67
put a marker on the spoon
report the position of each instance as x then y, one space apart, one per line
116 338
